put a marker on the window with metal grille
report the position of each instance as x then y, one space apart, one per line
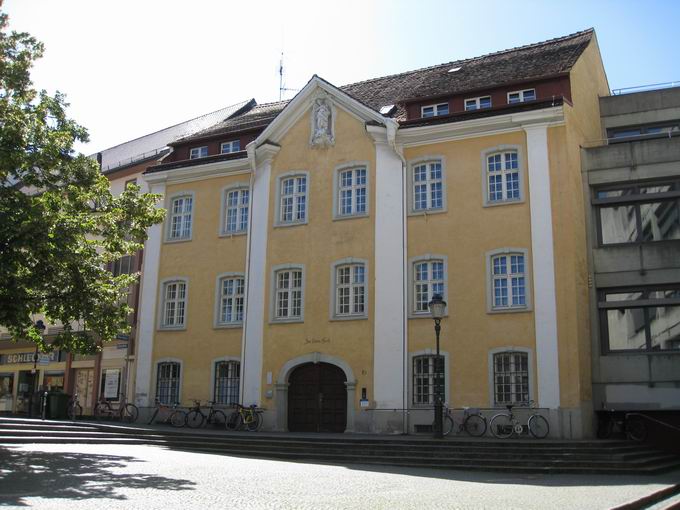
167 382
511 377
428 379
227 377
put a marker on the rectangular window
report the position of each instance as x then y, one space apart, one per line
644 319
180 218
350 296
293 202
167 383
232 146
477 103
639 213
288 295
428 379
508 281
428 187
236 211
521 96
503 177
511 377
435 110
198 152
227 378
232 292
174 304
352 192
428 279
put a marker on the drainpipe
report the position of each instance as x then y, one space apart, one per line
392 128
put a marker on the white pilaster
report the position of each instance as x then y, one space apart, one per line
389 329
256 270
147 306
545 303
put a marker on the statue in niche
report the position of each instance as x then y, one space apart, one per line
322 123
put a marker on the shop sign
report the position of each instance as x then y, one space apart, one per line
122 345
111 384
27 357
122 336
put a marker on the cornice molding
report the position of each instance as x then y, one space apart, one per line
199 172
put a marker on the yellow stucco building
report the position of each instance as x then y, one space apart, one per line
305 238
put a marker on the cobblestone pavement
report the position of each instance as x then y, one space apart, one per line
75 476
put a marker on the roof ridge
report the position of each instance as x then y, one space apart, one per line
453 62
272 103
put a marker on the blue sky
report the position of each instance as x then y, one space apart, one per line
131 67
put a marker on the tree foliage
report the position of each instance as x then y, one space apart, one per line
59 224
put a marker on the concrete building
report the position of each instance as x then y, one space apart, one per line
631 180
305 238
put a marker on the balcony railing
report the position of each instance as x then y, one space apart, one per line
644 88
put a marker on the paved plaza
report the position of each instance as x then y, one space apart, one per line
75 476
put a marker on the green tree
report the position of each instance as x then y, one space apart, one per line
59 224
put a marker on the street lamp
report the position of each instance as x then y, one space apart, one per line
40 326
437 307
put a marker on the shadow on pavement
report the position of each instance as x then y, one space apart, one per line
67 475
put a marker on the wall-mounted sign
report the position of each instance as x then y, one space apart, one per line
111 384
122 336
27 357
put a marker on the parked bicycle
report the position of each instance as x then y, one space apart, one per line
174 416
632 425
196 417
473 422
249 418
124 412
74 410
505 425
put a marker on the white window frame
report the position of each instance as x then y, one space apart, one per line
213 375
237 187
427 258
411 389
426 160
230 145
521 93
339 170
492 382
274 293
170 215
490 302
181 376
198 152
435 110
477 103
503 149
333 310
218 323
279 199
162 319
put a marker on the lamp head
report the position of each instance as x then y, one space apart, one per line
437 306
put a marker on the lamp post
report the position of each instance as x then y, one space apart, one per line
437 307
40 326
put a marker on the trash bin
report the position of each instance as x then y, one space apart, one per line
57 405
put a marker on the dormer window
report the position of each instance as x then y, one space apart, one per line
434 110
477 103
521 96
198 152
231 146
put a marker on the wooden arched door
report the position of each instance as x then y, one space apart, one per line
317 398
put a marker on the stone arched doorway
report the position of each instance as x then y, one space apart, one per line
317 398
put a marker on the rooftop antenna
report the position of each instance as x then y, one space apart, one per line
282 87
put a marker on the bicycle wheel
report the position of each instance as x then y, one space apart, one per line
447 425
475 425
501 426
100 411
538 426
636 430
195 419
178 418
130 413
255 422
217 419
234 421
